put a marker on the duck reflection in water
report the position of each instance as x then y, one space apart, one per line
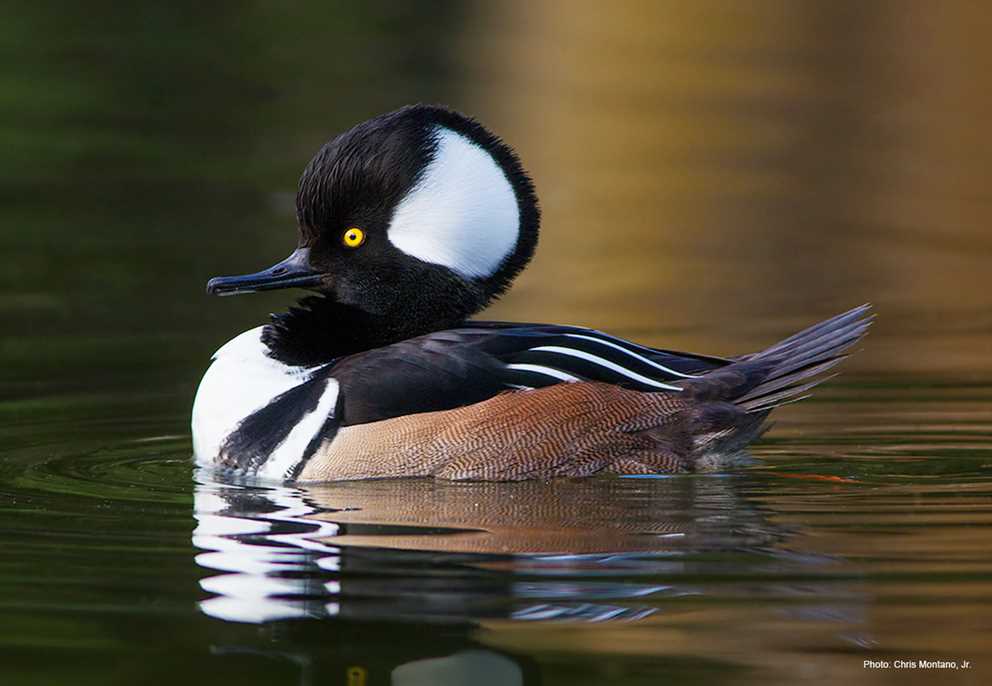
458 551
470 557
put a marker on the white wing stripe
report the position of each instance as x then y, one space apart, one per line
571 352
632 354
547 371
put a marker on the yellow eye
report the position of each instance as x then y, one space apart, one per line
353 237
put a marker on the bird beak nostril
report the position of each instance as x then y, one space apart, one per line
278 271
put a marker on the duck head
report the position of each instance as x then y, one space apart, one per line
409 222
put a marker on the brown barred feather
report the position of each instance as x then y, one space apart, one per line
564 430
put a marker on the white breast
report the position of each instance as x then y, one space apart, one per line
241 380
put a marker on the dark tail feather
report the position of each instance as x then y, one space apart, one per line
785 372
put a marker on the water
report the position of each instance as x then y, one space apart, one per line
710 181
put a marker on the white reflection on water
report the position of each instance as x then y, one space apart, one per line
258 538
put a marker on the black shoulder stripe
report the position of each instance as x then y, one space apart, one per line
260 433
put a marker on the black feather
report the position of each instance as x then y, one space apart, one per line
787 370
457 367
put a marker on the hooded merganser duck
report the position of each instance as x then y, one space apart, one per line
409 224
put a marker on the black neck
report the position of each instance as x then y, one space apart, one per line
319 330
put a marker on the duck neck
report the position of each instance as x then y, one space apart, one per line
318 330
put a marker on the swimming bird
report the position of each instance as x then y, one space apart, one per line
409 224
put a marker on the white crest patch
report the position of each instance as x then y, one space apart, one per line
463 214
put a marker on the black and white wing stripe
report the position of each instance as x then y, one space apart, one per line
591 356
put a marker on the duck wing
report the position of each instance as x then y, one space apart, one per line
457 367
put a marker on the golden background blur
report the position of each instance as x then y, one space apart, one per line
706 167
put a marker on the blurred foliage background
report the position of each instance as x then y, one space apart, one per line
713 175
